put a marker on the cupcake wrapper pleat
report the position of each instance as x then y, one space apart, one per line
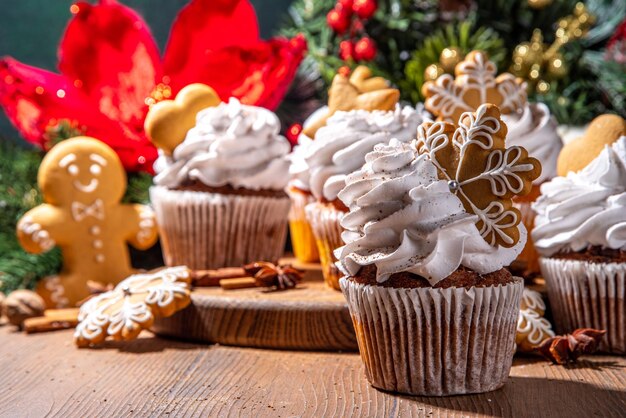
325 221
588 295
211 230
435 342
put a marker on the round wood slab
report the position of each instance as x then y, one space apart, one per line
310 317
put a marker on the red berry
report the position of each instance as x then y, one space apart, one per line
345 4
364 8
365 49
293 133
338 20
346 50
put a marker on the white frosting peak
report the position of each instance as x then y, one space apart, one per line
231 144
536 130
585 208
339 147
403 218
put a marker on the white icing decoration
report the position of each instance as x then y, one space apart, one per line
146 223
534 326
81 211
57 292
159 289
89 188
500 170
449 95
98 159
65 161
100 258
36 232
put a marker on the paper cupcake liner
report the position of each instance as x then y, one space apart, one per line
211 230
325 221
435 342
302 239
588 295
529 255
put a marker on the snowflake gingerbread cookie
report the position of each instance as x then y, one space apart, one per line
481 170
475 84
132 306
82 181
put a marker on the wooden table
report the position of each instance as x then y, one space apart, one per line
45 375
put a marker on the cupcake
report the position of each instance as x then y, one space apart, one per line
580 234
434 309
529 124
219 194
302 238
339 148
536 130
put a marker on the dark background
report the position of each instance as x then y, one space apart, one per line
31 29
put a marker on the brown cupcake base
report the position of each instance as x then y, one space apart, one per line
433 341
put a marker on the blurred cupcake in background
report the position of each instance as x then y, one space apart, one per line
219 189
580 233
363 112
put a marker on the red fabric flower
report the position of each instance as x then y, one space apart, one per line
110 65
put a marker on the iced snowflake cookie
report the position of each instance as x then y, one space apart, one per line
532 327
82 181
475 83
132 306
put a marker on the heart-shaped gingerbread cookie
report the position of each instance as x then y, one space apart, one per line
603 130
168 121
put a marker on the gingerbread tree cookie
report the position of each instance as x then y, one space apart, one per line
475 83
360 91
482 172
82 181
132 306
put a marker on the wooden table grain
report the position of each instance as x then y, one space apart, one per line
45 375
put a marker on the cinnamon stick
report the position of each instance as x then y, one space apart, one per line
209 278
238 283
53 319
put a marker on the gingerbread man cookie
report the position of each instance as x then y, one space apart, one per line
475 83
82 181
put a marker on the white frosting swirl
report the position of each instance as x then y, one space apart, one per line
403 218
231 144
536 130
339 147
585 208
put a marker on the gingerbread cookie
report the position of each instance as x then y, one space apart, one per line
602 131
532 327
359 92
168 121
132 306
82 181
475 83
481 170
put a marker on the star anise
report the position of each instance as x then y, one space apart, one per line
564 349
267 274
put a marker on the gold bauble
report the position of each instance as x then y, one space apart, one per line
539 4
543 87
556 67
432 72
449 58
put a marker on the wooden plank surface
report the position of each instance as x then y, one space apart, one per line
45 375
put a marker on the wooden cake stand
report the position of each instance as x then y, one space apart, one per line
309 317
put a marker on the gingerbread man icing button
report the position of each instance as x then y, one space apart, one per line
82 181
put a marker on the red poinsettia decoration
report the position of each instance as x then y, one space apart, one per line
111 70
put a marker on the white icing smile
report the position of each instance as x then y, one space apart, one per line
93 185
